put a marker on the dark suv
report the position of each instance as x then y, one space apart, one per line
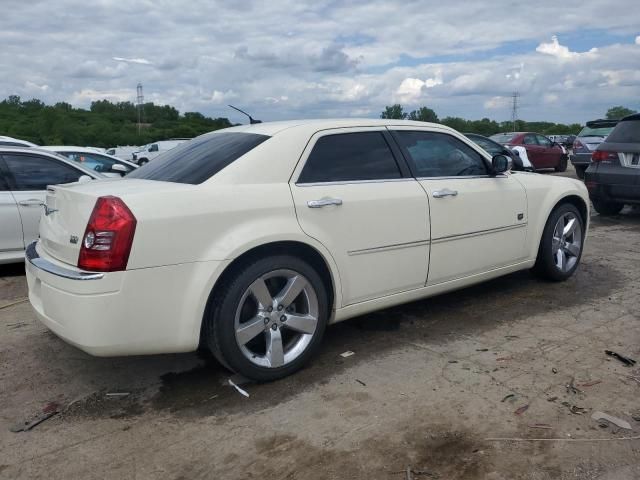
592 135
613 177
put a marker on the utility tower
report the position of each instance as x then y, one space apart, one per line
140 106
514 109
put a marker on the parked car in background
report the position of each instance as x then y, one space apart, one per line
494 148
613 177
542 152
123 153
592 135
152 150
102 163
14 142
25 173
278 229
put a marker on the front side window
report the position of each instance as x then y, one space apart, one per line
491 147
503 138
348 157
199 159
529 139
436 154
94 161
543 141
31 172
153 148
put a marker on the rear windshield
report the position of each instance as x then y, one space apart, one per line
502 137
595 132
626 132
199 159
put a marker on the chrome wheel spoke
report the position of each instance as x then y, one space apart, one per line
275 351
570 227
249 330
561 259
261 293
291 290
572 249
301 323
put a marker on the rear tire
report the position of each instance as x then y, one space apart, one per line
606 208
580 171
143 161
561 244
562 166
259 327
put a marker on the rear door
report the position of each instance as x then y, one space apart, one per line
11 227
29 175
354 194
478 221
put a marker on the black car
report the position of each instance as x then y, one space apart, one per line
494 148
613 177
592 135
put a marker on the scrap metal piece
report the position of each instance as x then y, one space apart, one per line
48 411
611 419
629 362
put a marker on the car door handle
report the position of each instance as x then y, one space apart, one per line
32 202
445 193
324 202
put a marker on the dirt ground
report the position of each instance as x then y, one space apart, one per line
426 388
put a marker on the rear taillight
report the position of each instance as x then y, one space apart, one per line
577 145
603 156
108 238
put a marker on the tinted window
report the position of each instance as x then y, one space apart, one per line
529 139
199 159
595 131
94 161
626 132
440 155
543 141
30 172
492 147
350 157
503 137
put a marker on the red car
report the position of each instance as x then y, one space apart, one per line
542 152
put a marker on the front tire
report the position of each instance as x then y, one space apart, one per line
562 166
607 208
580 171
561 244
269 318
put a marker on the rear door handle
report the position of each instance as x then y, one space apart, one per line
324 202
32 202
445 193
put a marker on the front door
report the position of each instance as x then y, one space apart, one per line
478 221
356 197
11 230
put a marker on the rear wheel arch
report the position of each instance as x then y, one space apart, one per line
298 249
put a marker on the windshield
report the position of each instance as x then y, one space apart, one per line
199 159
595 132
502 137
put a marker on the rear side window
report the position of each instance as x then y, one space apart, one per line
350 157
625 132
529 139
199 159
31 172
440 155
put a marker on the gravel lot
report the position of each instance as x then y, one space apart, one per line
425 388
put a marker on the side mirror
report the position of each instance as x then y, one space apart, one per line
84 178
500 164
119 168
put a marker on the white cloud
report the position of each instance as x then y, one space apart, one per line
412 89
638 40
139 61
498 102
89 95
560 51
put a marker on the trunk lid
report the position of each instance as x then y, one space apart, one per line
69 207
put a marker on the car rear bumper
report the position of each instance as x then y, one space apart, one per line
613 184
582 159
134 312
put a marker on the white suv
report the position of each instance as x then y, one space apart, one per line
152 150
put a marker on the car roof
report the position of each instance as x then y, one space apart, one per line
602 122
13 139
52 154
635 116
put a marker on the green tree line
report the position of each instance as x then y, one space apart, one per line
488 127
105 124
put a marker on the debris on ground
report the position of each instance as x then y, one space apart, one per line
240 390
636 416
590 384
576 410
15 326
16 302
521 410
611 419
554 370
507 397
118 394
629 362
482 349
409 473
346 354
453 361
361 382
571 388
552 399
48 411
503 359
544 426
515 439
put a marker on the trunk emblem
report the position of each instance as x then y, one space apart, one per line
48 211
73 239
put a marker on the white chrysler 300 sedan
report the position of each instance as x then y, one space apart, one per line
250 240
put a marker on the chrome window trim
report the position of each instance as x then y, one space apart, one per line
348 182
501 175
45 265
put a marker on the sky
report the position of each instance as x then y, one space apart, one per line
284 59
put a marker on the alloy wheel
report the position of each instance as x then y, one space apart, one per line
566 242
